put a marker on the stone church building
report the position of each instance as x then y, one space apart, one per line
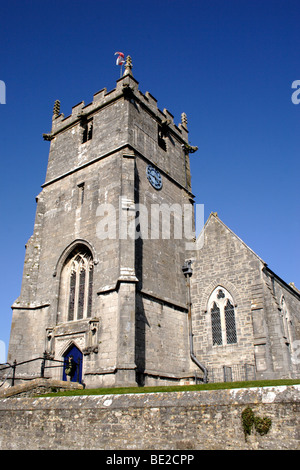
112 299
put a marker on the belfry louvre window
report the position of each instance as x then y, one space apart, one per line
222 315
79 273
161 138
87 131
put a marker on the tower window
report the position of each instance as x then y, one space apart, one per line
77 286
80 193
161 138
222 314
87 131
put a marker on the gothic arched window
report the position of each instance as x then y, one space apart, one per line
77 286
222 314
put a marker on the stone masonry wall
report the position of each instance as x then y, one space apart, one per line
283 322
224 260
84 175
161 341
202 420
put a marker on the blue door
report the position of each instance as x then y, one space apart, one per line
73 364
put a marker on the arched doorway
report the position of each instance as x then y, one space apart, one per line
73 364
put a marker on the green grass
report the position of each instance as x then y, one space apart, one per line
174 388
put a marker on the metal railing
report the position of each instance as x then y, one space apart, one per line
13 367
233 373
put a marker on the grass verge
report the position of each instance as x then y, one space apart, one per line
174 388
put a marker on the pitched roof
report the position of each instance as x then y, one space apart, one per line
214 217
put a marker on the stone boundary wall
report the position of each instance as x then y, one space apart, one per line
202 420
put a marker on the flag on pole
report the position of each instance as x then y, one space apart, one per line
120 58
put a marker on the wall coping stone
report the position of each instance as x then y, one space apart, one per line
237 396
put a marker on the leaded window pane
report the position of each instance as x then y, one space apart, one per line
230 323
72 296
216 325
220 294
78 275
81 294
90 293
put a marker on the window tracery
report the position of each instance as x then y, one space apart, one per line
77 280
222 315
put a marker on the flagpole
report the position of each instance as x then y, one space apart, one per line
120 61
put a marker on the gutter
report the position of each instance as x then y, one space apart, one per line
266 270
187 271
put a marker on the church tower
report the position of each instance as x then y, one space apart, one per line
103 278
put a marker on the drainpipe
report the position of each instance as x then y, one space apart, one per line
187 271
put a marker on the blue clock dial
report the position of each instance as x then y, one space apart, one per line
154 177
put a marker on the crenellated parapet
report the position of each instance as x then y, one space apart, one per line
127 87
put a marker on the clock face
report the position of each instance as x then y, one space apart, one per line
154 177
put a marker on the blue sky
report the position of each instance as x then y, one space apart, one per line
228 64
